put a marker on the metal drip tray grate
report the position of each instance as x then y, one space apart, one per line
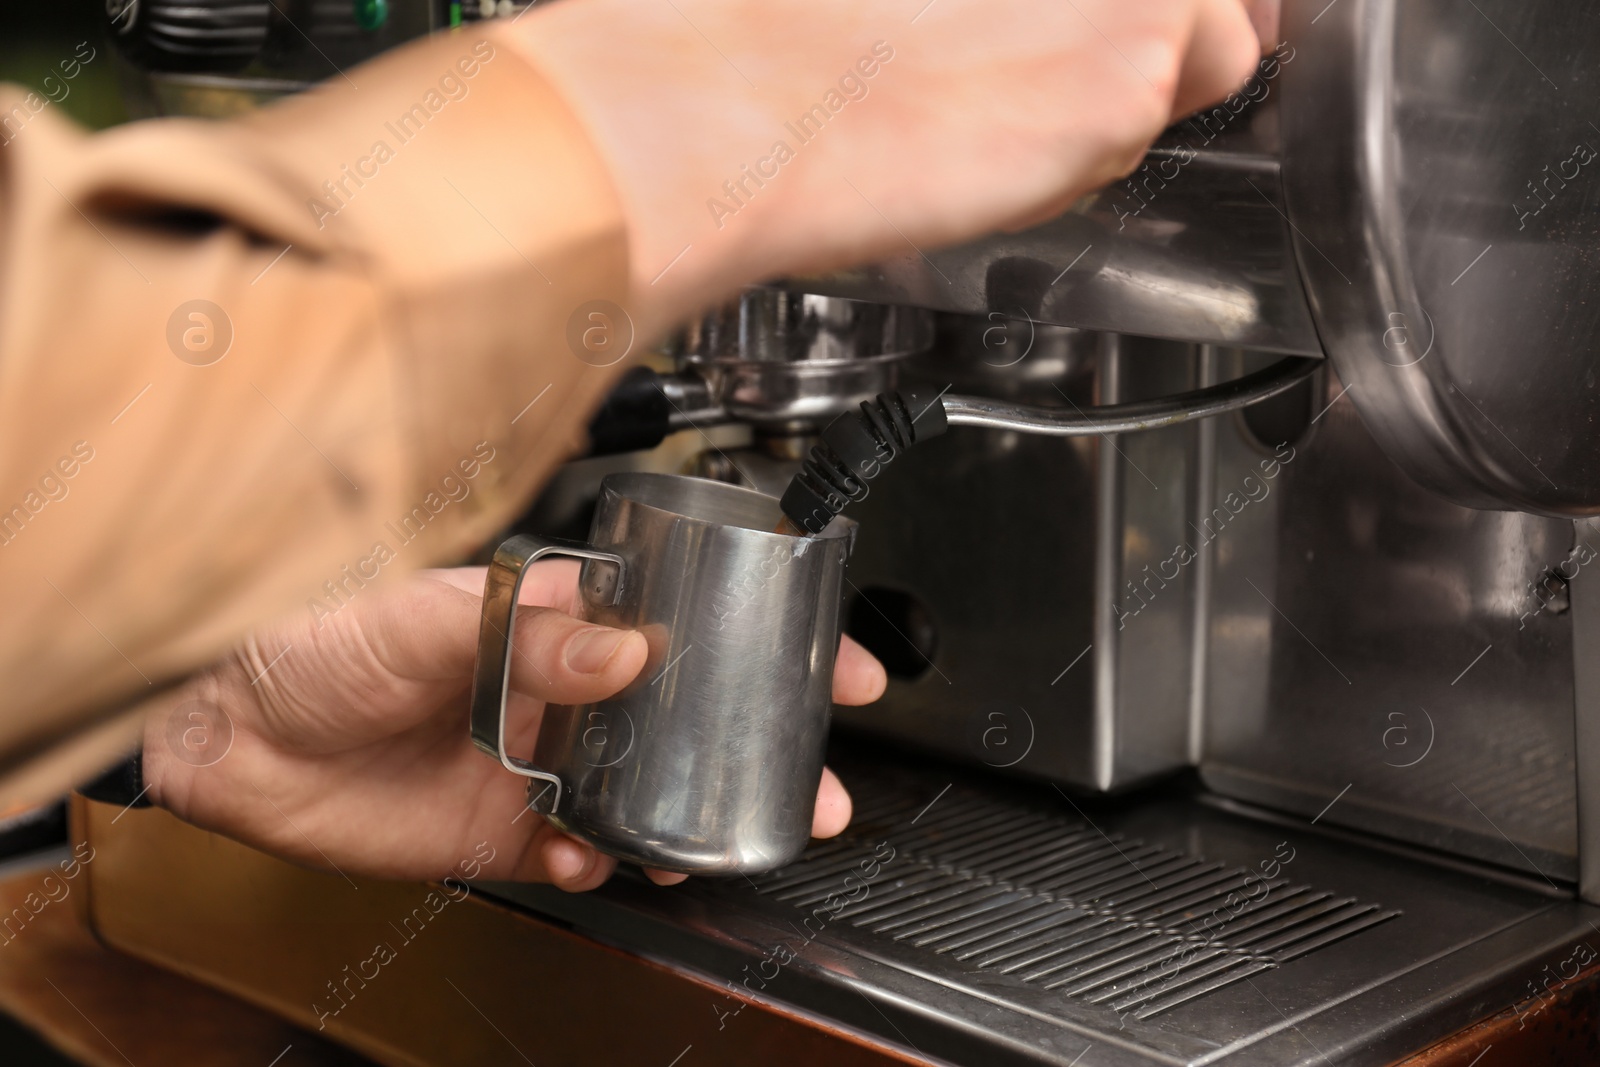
1046 900
977 922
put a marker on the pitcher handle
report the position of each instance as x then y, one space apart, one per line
491 676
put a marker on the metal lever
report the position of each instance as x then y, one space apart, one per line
856 447
1139 415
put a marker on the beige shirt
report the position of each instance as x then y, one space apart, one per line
379 378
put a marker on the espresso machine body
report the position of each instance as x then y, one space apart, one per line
1355 612
1305 597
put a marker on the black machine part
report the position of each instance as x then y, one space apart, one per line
854 449
636 415
196 36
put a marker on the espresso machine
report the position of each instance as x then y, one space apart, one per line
1244 698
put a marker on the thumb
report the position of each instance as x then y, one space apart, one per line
427 630
561 660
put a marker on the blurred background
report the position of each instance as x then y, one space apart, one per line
37 37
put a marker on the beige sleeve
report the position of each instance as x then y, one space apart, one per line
251 367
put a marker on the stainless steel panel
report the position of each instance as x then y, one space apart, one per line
887 931
1441 164
1584 595
1385 655
1026 553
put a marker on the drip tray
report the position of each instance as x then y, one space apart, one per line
971 922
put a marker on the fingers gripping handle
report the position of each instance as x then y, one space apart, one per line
491 677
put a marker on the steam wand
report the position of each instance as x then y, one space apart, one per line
855 447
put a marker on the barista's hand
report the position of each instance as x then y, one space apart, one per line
351 751
932 121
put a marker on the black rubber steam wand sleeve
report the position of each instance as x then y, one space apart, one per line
854 449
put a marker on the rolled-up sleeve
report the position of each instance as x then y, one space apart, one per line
255 366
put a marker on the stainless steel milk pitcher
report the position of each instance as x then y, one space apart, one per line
709 761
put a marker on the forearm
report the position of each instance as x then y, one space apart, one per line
753 140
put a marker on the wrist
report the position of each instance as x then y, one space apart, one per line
689 131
